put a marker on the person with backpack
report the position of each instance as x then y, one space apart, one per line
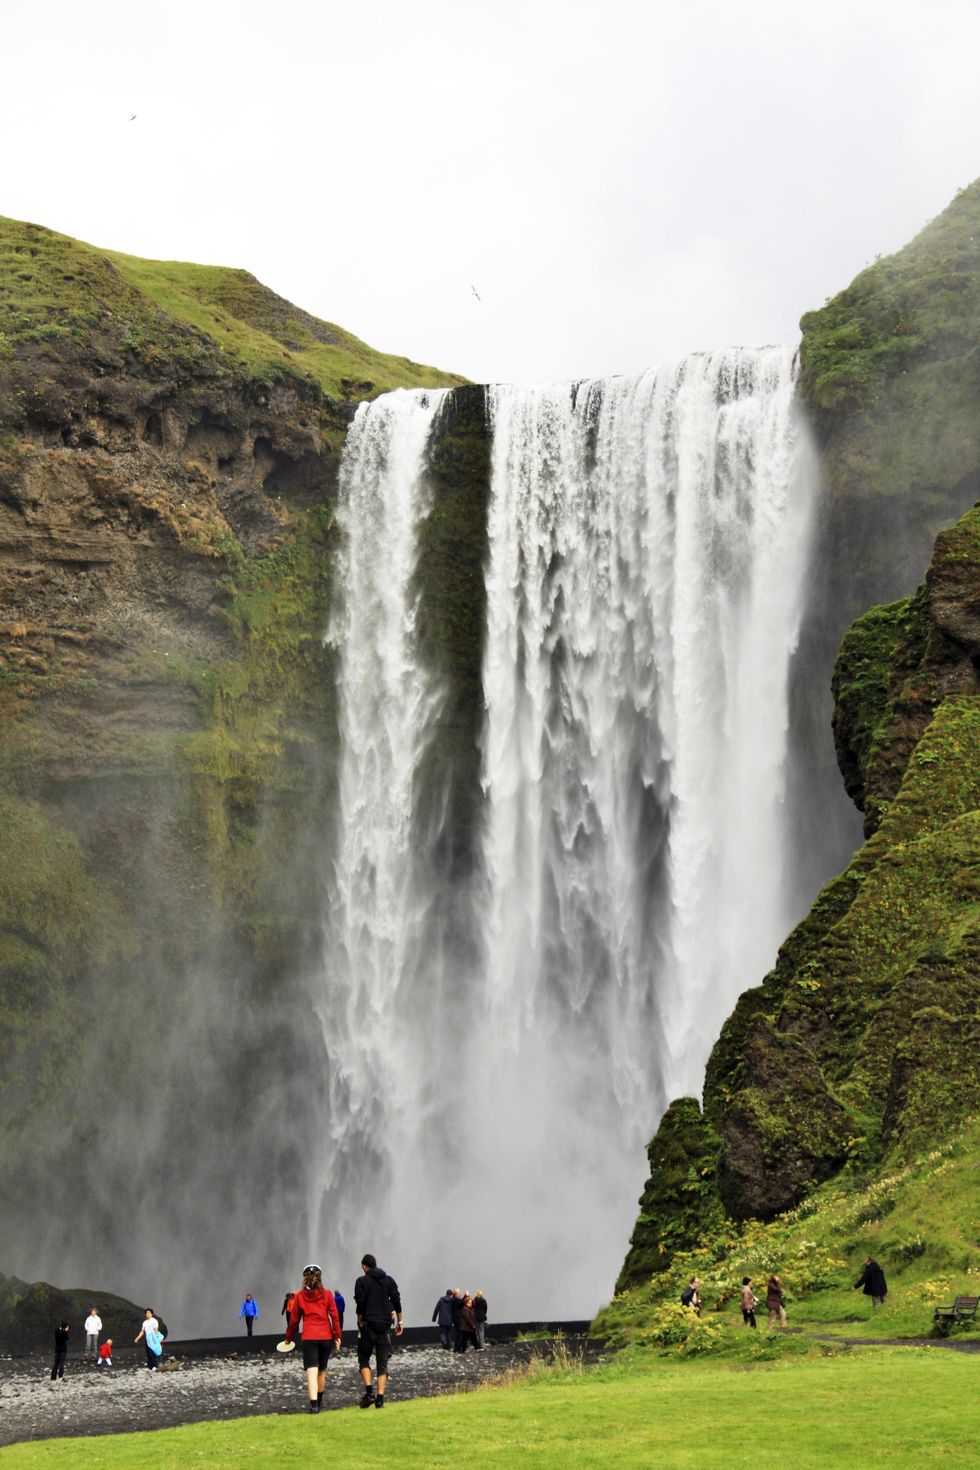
378 1304
315 1308
691 1296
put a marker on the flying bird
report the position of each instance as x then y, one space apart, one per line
476 293
132 117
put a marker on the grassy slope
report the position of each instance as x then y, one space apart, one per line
898 1409
172 316
920 1221
268 333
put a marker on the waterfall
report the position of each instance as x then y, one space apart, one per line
648 542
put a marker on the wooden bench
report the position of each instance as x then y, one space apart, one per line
963 1309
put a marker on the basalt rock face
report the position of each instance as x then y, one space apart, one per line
169 441
29 1313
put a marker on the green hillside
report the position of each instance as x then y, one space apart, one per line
57 293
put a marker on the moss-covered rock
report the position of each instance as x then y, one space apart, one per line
679 1201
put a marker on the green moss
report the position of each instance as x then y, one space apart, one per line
173 318
911 312
679 1201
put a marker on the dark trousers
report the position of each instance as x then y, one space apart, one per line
58 1366
445 1337
248 1325
465 1340
748 1317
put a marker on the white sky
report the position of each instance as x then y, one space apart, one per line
623 182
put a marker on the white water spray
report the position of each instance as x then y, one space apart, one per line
648 540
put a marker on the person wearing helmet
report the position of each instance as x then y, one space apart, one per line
315 1308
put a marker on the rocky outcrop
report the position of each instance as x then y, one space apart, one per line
30 1312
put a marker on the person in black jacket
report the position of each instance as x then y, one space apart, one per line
442 1313
872 1278
459 1301
480 1312
60 1350
378 1304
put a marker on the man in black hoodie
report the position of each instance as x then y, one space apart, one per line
378 1303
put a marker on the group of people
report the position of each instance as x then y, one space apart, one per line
872 1279
461 1319
152 1334
313 1312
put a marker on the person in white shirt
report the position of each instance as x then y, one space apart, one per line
93 1326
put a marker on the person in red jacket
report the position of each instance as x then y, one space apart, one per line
315 1307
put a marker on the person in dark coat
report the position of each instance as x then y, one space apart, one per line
775 1302
467 1326
459 1300
480 1313
60 1350
379 1306
442 1314
872 1278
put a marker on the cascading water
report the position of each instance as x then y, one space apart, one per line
648 540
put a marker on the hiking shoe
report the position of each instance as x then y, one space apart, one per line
314 1407
367 1398
379 1402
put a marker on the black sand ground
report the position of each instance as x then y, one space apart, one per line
190 1388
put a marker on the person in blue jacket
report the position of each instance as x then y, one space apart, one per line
338 1297
250 1310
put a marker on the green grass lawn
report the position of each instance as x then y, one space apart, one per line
906 1407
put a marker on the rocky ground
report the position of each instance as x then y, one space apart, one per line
189 1389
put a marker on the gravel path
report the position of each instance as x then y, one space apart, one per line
90 1401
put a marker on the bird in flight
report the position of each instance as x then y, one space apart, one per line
132 117
476 293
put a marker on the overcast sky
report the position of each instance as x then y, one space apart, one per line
621 182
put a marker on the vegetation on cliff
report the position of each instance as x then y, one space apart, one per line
859 1051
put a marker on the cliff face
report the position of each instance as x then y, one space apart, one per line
860 1047
169 440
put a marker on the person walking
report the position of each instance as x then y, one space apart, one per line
775 1303
872 1278
378 1303
442 1315
339 1298
60 1350
151 1338
480 1312
749 1301
250 1310
467 1326
316 1309
93 1326
105 1354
